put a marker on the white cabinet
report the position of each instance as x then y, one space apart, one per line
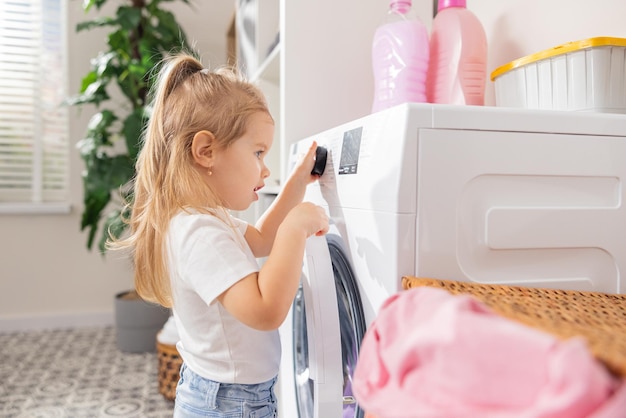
318 75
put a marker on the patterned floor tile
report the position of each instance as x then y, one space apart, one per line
77 373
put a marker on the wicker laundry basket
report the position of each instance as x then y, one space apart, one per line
600 318
169 369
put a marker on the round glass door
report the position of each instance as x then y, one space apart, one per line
352 328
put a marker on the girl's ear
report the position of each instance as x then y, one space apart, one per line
203 148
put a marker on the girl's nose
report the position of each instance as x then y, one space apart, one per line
266 171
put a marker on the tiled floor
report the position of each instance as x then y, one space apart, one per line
76 373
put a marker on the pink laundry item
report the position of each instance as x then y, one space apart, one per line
431 354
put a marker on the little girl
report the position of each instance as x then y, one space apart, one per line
203 155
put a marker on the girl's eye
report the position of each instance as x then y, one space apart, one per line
258 154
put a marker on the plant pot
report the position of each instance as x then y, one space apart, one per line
137 322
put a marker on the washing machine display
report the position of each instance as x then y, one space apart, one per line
350 149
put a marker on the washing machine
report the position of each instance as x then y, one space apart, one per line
482 194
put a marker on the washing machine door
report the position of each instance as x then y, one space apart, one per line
328 328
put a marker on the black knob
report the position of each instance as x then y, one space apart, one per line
320 161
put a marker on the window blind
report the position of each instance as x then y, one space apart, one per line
34 154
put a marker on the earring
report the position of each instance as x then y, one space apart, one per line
210 171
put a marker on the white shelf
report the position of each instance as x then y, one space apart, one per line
270 67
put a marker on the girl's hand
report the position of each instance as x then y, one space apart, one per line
262 299
302 170
310 218
261 237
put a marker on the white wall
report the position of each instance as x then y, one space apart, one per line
46 274
47 277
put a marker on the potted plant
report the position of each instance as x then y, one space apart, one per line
140 34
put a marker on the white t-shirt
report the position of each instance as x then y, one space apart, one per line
207 255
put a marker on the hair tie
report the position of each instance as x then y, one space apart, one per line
204 71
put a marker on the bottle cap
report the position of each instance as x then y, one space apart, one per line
444 4
400 5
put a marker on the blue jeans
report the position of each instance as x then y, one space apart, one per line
200 397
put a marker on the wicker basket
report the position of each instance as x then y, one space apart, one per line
169 369
598 317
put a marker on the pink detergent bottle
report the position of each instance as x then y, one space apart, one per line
399 58
458 56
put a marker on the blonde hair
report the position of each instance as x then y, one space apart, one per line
186 99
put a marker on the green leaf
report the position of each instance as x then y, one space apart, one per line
114 227
95 23
96 137
92 92
101 120
168 29
128 17
96 198
133 128
90 78
103 65
104 176
88 4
